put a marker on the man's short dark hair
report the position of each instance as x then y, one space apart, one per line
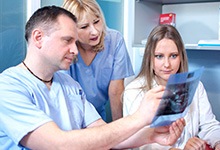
46 17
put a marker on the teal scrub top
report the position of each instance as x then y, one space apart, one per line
112 63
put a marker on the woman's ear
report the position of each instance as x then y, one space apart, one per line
37 36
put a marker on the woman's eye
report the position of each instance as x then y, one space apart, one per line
97 21
83 27
158 56
174 56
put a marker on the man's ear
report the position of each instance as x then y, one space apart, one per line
37 35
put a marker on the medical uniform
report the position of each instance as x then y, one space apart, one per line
200 120
112 63
26 103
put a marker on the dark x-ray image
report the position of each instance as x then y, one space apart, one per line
178 95
175 99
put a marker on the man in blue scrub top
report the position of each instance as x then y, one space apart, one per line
41 108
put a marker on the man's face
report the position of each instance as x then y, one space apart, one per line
60 46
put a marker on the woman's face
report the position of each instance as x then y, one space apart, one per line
90 29
166 60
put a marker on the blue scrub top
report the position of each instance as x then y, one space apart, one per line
26 103
112 63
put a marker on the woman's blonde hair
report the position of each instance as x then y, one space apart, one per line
81 8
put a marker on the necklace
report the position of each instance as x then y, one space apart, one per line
49 81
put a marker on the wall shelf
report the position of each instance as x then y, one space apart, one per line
188 47
179 1
192 21
195 47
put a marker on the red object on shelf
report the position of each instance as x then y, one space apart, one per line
169 18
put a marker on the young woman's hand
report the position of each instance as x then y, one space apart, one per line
195 143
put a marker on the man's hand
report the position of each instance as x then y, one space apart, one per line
168 135
150 103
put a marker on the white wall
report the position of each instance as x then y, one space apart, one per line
196 21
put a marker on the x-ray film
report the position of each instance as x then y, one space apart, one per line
178 95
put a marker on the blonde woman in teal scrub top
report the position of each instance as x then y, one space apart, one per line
103 61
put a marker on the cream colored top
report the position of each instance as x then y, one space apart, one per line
200 120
